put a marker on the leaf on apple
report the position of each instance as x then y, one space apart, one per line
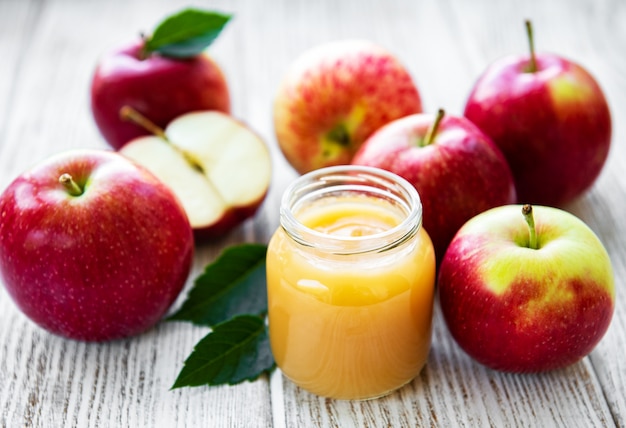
186 34
232 285
235 351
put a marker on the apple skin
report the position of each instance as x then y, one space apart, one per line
100 266
334 96
460 174
553 125
158 87
231 219
517 309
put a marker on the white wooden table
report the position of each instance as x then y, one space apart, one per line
48 50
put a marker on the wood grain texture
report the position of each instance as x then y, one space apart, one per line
49 49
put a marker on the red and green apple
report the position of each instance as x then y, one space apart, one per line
526 296
334 96
551 120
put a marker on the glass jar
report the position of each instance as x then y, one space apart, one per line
350 277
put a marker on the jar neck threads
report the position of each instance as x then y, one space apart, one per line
351 181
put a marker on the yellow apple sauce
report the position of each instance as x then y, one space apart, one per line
350 277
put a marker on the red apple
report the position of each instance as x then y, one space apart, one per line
160 76
551 120
219 168
334 97
92 246
456 169
526 297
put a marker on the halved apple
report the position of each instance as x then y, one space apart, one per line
218 168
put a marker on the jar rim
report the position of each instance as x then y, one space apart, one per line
376 181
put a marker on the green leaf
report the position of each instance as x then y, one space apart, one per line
234 284
235 351
186 34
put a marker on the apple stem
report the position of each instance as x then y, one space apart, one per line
70 185
531 42
527 211
432 131
130 114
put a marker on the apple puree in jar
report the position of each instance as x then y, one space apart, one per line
352 321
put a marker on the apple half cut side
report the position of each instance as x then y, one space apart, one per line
218 168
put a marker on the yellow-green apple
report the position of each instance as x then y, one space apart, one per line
92 246
526 296
551 120
219 168
336 95
456 169
157 79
